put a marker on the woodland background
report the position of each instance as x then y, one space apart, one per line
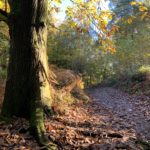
113 51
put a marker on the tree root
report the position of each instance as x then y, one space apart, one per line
38 130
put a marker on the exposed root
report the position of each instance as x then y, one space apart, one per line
38 130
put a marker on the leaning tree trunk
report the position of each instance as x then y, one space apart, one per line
27 88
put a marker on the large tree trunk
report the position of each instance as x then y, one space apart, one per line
27 88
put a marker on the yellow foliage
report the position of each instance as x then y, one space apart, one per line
129 20
57 2
4 6
144 15
81 85
143 8
133 3
144 69
147 55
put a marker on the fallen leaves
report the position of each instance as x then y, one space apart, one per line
16 136
112 120
98 128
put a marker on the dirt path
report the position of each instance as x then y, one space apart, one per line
112 120
133 110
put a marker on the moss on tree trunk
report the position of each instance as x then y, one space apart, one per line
27 90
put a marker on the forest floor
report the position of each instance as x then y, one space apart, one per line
112 120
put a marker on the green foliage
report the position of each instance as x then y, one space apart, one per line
80 53
76 50
132 42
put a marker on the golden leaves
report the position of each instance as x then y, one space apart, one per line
130 19
133 3
144 15
142 8
4 6
57 1
82 15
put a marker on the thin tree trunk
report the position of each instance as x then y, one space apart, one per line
27 90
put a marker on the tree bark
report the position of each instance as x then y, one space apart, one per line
27 90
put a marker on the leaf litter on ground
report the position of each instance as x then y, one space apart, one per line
111 120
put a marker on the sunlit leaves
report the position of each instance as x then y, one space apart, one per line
4 5
129 20
84 15
143 9
145 14
89 14
54 5
57 1
133 3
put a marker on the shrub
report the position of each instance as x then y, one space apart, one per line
144 69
